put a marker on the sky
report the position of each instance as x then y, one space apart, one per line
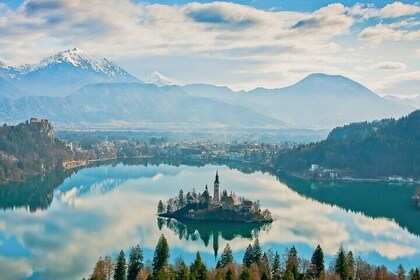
241 44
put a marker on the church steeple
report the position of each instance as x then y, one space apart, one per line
216 197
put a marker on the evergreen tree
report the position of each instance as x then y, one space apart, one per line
256 251
400 272
351 265
198 269
161 255
181 200
317 262
292 263
181 270
135 262
229 275
288 275
245 275
276 270
414 274
120 272
160 208
341 267
226 257
247 260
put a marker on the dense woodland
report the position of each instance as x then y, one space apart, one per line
29 149
255 264
375 149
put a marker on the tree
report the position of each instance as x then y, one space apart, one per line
317 262
160 208
400 272
341 266
161 255
292 262
275 270
198 269
226 257
135 262
120 272
181 270
414 274
256 251
247 260
181 200
351 264
229 275
288 275
245 275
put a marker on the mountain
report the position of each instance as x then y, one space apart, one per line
9 91
64 73
413 101
318 101
134 104
159 80
324 101
370 150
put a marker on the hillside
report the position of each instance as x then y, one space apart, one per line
369 150
29 149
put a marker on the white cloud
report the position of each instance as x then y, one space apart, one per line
389 65
382 32
393 10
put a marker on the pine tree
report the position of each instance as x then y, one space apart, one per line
400 272
245 275
288 275
135 262
226 257
256 251
229 275
247 260
292 262
160 208
351 265
161 255
275 270
341 266
317 262
120 272
181 270
181 200
414 274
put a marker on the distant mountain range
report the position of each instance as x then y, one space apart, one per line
413 101
78 89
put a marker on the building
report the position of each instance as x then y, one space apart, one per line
216 196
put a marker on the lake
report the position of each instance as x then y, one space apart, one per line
56 226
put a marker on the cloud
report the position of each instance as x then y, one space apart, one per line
389 65
382 32
393 10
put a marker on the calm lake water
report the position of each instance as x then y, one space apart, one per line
57 226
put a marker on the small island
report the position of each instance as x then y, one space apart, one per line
221 207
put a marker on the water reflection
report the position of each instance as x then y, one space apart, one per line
99 210
206 231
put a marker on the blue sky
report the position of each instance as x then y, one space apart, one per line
241 44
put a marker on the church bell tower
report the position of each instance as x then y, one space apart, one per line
216 197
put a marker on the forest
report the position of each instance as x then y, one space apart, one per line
365 150
29 149
255 264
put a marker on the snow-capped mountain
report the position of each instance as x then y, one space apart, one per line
159 80
64 73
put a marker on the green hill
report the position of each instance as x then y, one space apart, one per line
29 149
367 150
